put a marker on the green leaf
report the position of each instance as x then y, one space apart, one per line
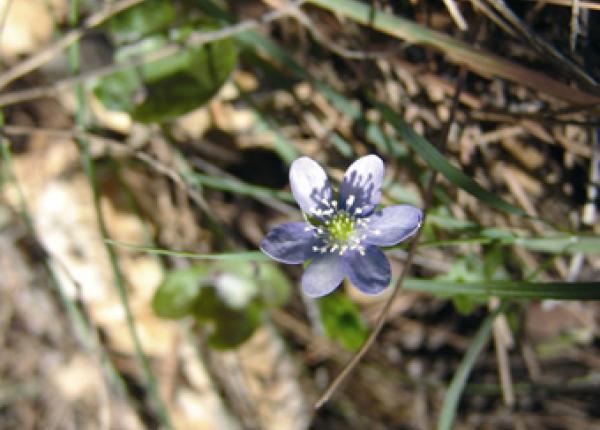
268 285
176 295
437 162
508 289
201 73
171 97
140 20
169 87
401 194
465 305
274 286
116 92
228 299
465 269
228 327
342 321
234 290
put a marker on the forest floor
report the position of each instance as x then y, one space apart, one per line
505 92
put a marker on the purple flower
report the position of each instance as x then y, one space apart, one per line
341 235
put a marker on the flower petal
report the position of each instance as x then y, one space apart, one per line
289 243
360 188
392 225
371 272
310 185
323 275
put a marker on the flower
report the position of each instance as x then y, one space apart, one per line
341 236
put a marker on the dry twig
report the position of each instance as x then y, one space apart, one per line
47 54
194 40
381 320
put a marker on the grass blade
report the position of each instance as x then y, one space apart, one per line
239 187
522 290
461 375
230 256
477 60
568 245
86 334
571 244
88 164
437 162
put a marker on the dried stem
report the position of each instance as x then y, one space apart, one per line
47 54
194 40
381 320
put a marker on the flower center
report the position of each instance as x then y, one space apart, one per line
339 230
341 227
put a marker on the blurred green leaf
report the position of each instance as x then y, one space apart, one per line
465 269
493 267
465 304
117 92
401 194
140 20
227 298
234 290
228 327
176 295
268 285
274 286
342 321
169 87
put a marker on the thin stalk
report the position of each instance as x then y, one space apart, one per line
381 320
461 375
85 334
232 256
89 168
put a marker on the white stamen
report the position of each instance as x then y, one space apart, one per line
334 203
361 222
350 201
334 247
344 249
